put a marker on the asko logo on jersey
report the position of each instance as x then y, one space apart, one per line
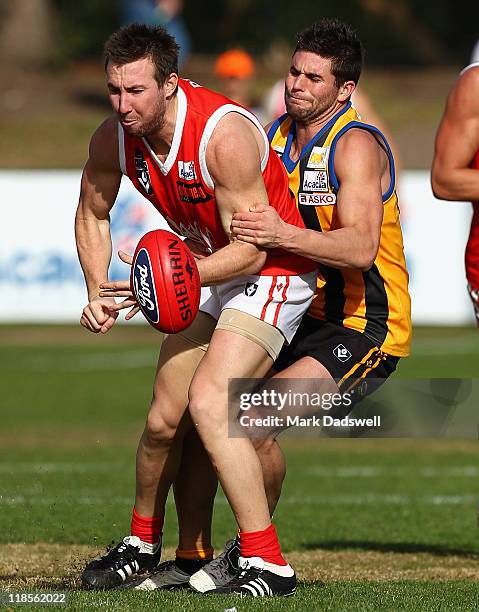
145 287
317 199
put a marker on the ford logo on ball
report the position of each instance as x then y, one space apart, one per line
144 287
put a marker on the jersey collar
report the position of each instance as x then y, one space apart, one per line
289 164
166 166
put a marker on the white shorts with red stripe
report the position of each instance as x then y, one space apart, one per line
280 301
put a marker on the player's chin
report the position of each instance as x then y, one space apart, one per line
133 128
296 110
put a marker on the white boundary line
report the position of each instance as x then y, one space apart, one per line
372 499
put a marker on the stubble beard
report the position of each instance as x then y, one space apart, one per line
310 114
152 125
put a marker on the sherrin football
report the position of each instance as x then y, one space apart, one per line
165 281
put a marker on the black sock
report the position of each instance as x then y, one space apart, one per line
190 566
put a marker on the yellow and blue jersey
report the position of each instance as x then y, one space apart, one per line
375 302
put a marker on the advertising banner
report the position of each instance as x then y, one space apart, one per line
41 279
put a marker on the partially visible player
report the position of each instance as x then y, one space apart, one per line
198 158
455 169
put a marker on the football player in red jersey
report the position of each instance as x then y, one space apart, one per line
199 158
455 169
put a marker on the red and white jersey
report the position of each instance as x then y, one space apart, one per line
181 187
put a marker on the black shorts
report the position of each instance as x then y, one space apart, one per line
352 359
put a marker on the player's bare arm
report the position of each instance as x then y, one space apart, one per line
457 141
360 166
99 188
233 158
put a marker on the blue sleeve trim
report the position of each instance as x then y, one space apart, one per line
274 126
291 165
285 158
374 130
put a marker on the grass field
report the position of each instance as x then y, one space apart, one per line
368 524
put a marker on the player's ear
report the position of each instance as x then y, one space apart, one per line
346 90
171 85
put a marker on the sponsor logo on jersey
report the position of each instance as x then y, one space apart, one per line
318 158
186 170
142 172
193 193
144 287
342 353
315 180
317 199
250 289
279 150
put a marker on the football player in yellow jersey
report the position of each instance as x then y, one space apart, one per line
341 172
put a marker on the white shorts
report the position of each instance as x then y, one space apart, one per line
280 301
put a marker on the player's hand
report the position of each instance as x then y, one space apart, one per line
261 226
121 288
98 315
198 250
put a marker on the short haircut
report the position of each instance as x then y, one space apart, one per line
337 41
137 41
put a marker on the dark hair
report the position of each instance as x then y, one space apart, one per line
335 40
137 41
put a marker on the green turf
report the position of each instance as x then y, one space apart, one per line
447 352
401 595
72 412
371 500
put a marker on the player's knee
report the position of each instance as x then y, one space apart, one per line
160 431
264 445
205 407
198 408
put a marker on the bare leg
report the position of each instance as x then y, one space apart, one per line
234 458
273 465
159 450
195 525
269 452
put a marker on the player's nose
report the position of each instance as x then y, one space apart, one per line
298 82
124 105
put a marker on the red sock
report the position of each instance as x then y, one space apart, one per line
262 544
147 528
